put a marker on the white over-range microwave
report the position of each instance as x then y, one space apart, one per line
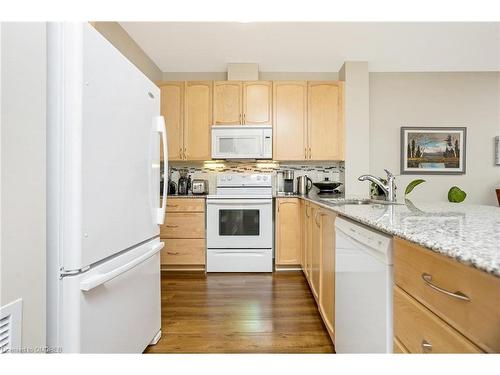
242 142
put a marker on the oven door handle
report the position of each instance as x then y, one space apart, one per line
246 202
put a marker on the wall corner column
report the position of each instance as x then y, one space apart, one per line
357 125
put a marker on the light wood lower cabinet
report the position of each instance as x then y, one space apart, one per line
181 251
183 225
184 234
288 236
421 331
315 251
459 302
318 233
327 270
399 348
307 237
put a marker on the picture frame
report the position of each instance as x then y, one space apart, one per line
433 150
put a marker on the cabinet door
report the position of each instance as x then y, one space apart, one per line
316 251
198 120
290 120
327 272
308 239
302 213
257 102
325 120
172 109
287 231
227 102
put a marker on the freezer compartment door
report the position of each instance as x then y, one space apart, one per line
104 129
114 307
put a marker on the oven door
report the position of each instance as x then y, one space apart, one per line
239 223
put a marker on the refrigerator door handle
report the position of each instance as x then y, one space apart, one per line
162 129
99 279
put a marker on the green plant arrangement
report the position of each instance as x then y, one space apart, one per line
412 185
456 195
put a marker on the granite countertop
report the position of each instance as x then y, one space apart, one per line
467 233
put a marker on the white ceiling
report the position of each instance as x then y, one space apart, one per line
319 47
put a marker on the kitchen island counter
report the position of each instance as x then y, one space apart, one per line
468 233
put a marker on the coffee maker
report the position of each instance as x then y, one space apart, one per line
288 182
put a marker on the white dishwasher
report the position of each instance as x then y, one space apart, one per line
363 289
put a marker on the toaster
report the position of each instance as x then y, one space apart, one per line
199 186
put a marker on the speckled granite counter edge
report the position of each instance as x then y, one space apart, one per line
447 252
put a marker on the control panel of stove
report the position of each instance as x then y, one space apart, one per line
241 179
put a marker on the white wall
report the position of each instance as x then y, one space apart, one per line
129 48
357 127
437 99
22 220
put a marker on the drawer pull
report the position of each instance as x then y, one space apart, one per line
426 346
428 280
172 253
172 205
171 226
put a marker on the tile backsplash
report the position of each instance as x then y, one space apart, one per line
316 171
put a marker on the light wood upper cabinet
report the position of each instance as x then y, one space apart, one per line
327 273
198 120
325 120
172 109
290 120
288 244
227 102
257 102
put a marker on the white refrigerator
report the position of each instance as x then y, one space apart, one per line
103 196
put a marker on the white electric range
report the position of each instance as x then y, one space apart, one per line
240 224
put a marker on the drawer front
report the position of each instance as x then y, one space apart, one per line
420 272
185 205
421 331
183 225
399 348
183 251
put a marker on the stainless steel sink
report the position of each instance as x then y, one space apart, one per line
341 201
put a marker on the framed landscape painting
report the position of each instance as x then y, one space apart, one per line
433 150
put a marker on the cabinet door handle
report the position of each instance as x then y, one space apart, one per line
172 253
428 281
185 154
172 226
180 153
319 214
240 119
305 152
244 117
172 205
426 346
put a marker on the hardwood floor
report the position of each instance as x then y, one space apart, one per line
239 313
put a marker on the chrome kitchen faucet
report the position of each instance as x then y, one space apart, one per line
389 189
